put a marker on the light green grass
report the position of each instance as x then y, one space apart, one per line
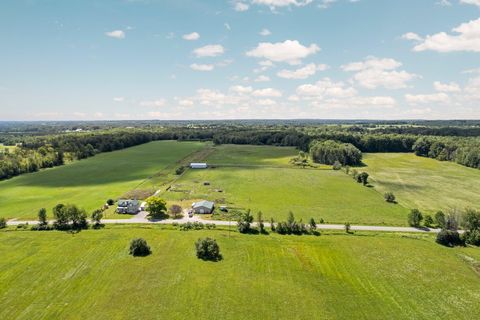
89 183
276 190
424 183
54 275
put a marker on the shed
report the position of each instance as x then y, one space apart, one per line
198 165
203 207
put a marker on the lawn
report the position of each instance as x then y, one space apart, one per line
89 183
89 275
264 181
424 183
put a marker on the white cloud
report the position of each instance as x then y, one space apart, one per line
289 51
324 4
227 26
374 72
326 88
474 2
262 78
302 73
153 103
202 67
211 50
273 4
119 99
241 6
411 36
446 87
241 89
191 36
265 32
466 37
414 99
117 34
185 102
444 3
267 92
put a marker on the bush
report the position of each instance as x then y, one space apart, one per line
337 166
347 227
415 218
3 223
243 224
472 237
179 170
363 178
97 216
208 249
139 248
389 197
449 238
192 226
210 226
440 219
110 202
428 221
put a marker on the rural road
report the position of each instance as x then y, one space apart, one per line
140 218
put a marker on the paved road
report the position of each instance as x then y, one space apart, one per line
140 218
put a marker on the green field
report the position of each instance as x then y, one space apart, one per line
89 275
424 183
261 179
89 183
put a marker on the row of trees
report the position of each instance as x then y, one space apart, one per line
329 152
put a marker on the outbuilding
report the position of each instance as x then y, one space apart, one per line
203 207
198 165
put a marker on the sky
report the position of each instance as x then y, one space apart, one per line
239 59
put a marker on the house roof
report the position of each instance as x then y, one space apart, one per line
126 203
204 203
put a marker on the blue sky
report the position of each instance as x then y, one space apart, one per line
283 59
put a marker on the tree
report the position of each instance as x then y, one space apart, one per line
97 216
42 217
139 248
337 165
415 218
244 222
261 226
61 217
176 210
451 222
69 217
3 223
290 219
313 224
428 221
272 224
156 207
471 219
389 197
208 249
449 238
440 219
363 178
347 227
110 202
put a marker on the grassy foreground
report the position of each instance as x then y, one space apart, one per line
55 275
424 183
89 183
262 179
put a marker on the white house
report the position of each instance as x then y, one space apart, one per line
198 165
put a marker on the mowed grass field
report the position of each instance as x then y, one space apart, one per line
89 275
261 179
424 183
89 183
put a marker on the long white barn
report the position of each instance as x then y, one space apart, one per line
198 165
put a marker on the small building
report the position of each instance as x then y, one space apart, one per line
203 207
128 206
198 165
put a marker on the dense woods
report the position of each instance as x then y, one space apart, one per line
51 144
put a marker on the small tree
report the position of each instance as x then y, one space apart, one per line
337 165
244 222
261 226
208 249
440 219
290 219
449 238
347 169
156 207
389 197
428 221
176 210
347 227
42 217
272 224
110 202
415 218
3 223
179 170
451 222
363 178
139 248
313 224
97 216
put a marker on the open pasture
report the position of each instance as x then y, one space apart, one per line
89 183
89 275
424 183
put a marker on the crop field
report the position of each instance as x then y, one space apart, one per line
424 183
261 179
89 275
89 183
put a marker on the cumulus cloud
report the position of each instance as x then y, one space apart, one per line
267 92
202 67
302 73
412 36
414 99
241 6
374 72
326 88
289 51
119 99
474 2
446 87
117 34
265 32
465 37
153 103
273 4
262 78
211 50
191 36
241 89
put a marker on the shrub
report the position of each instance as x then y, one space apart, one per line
210 226
139 248
347 227
337 166
179 170
440 219
110 202
415 218
428 221
208 249
243 224
97 216
3 223
449 238
472 237
363 178
389 197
